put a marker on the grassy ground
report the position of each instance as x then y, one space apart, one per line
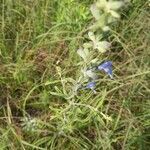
38 36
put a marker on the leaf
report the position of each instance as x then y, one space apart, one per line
91 74
52 82
114 14
111 19
101 3
86 51
95 12
87 45
81 53
106 28
102 21
85 74
91 36
102 46
57 94
99 23
115 5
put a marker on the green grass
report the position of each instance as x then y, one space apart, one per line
37 37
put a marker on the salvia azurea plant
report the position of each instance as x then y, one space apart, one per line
105 13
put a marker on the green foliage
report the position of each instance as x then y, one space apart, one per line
39 65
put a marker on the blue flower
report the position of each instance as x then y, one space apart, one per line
91 85
107 67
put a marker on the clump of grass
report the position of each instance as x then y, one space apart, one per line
37 37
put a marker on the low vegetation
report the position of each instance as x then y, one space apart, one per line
39 40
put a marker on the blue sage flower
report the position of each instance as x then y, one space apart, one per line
91 85
107 67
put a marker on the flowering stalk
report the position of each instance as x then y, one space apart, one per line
104 12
